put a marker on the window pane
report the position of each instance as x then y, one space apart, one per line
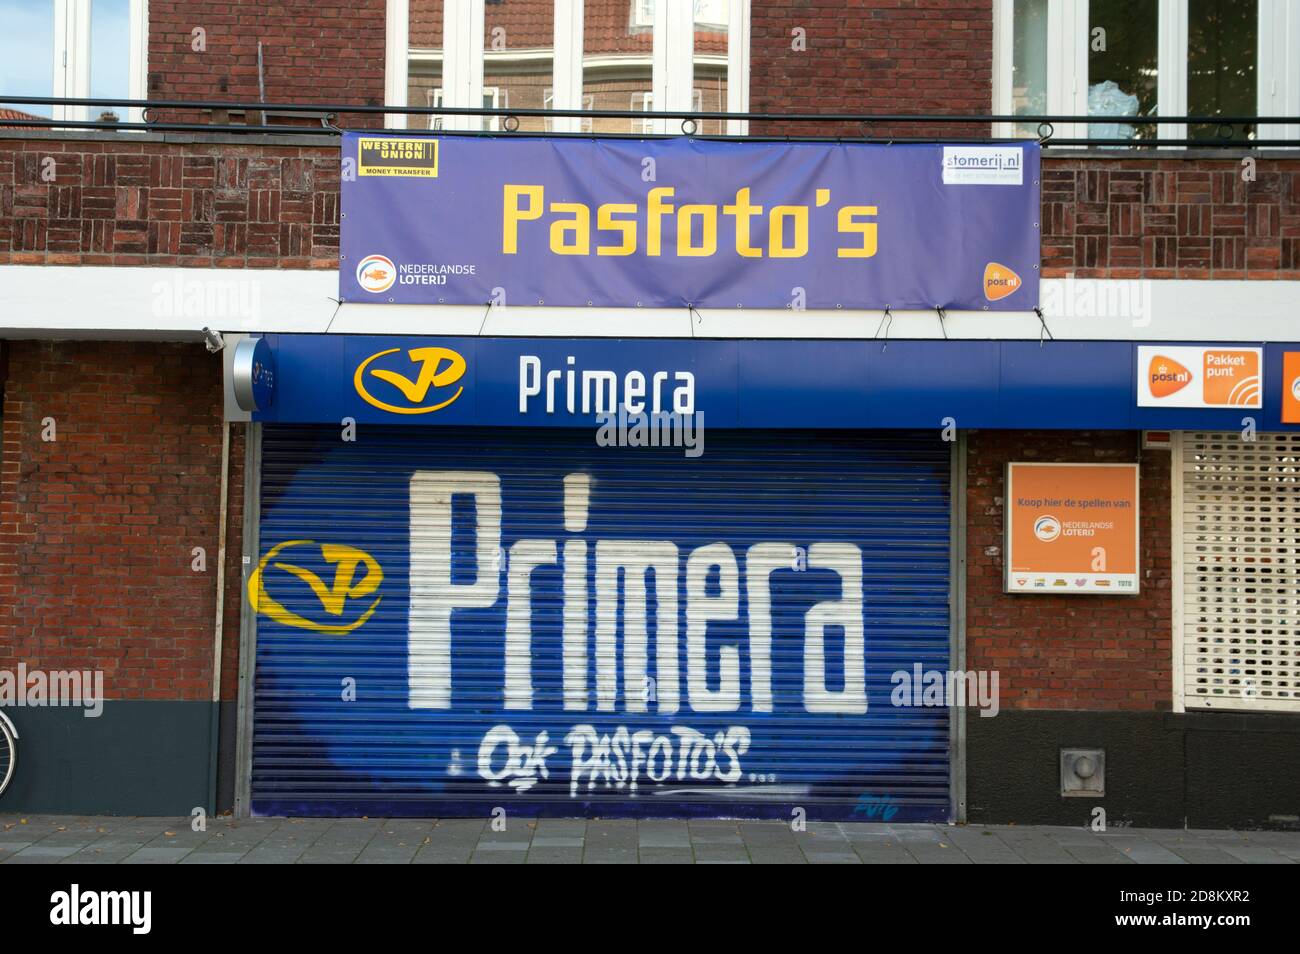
518 59
424 70
27 52
110 53
1123 53
1029 62
617 42
1222 49
710 65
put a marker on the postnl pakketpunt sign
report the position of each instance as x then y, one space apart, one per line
1072 528
1194 376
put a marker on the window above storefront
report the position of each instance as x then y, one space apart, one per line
569 55
74 49
1148 58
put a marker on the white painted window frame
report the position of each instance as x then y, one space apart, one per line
70 56
1277 71
672 78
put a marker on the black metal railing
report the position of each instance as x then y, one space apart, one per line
324 120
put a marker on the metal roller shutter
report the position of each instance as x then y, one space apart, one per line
1238 536
454 619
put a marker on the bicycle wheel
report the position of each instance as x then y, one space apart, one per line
8 754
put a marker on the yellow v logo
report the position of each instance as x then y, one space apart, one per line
333 599
345 560
434 373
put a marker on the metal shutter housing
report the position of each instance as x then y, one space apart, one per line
1238 536
354 713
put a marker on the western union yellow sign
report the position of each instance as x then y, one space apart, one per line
398 157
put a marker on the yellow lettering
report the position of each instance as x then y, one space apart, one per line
743 212
776 231
656 210
514 214
605 222
579 227
709 241
867 230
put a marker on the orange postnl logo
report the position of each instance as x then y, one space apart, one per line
1291 387
999 281
1165 376
1232 378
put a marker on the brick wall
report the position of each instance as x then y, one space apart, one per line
872 56
97 527
122 201
1068 652
1168 218
313 51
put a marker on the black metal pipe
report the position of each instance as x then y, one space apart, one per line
53 124
640 113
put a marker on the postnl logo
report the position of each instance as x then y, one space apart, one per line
999 281
338 607
376 273
1165 376
1291 394
429 369
1047 528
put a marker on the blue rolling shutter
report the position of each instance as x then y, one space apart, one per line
441 630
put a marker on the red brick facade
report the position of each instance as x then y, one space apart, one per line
316 51
97 527
1139 217
872 56
120 201
1068 652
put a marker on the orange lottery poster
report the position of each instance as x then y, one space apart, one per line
1072 528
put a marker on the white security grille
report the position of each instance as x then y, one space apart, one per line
1240 548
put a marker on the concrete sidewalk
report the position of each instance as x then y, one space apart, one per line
78 839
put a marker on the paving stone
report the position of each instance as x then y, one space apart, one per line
609 856
769 856
92 840
554 856
720 854
497 858
665 856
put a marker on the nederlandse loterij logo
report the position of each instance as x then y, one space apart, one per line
437 368
999 281
343 604
376 273
1165 376
1047 528
1295 389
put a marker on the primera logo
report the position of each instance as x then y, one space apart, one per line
336 601
438 368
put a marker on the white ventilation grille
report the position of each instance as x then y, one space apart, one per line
1240 547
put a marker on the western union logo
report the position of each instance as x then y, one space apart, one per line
398 157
